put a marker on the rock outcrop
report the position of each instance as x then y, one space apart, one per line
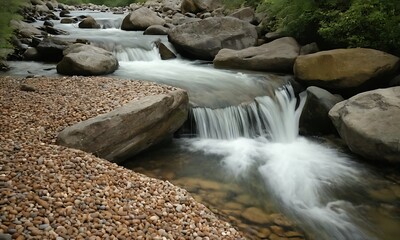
369 124
204 39
196 6
344 68
86 60
141 19
314 117
276 56
246 14
126 131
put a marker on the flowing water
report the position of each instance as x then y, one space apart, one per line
246 161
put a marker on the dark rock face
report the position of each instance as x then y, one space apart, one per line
126 131
204 39
369 124
156 30
51 49
314 118
87 60
141 19
276 56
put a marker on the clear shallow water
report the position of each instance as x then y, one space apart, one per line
249 179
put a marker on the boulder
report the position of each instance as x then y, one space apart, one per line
245 14
68 21
127 130
344 68
65 13
369 124
156 30
165 52
276 56
314 118
87 60
141 19
203 39
51 49
196 6
309 48
25 29
31 54
89 22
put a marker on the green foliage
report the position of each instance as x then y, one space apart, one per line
338 23
8 10
367 23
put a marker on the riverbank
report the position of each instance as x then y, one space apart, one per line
53 192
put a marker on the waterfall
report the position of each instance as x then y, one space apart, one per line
262 138
276 119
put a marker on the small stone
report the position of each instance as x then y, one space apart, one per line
5 236
179 208
27 88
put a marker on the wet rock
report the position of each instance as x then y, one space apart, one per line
65 13
141 19
140 124
276 56
156 30
255 215
89 22
165 52
68 21
231 33
368 123
31 54
314 117
345 68
51 49
82 59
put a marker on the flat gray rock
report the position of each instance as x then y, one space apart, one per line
127 130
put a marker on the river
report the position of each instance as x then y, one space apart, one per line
241 154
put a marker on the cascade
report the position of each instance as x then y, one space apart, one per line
300 174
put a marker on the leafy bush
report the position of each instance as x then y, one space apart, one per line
367 23
338 23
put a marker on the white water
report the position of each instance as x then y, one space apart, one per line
301 175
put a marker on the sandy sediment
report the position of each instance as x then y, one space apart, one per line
52 192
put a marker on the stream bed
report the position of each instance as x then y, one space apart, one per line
245 161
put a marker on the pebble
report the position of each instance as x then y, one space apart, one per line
59 193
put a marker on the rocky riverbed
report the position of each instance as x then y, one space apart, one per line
53 192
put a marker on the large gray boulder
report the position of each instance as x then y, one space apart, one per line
276 56
196 6
369 124
204 39
126 131
141 19
345 68
87 60
314 118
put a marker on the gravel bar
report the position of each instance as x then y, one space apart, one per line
52 192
